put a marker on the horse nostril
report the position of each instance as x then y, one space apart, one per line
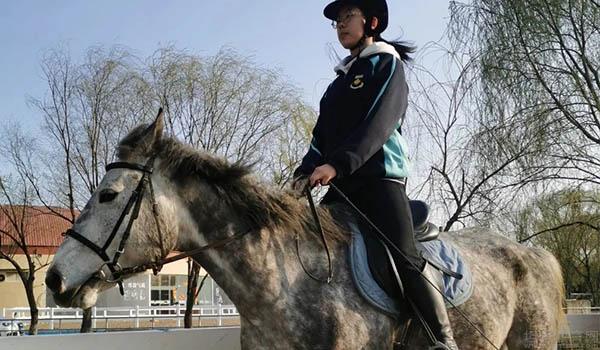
54 281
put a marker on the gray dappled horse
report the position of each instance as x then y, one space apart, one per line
516 302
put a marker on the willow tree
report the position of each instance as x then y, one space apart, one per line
567 223
540 59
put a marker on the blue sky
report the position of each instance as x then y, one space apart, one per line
291 35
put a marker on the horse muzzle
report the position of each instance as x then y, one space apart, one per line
55 281
82 296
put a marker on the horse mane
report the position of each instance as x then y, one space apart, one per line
262 205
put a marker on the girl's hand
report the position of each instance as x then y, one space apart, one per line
322 175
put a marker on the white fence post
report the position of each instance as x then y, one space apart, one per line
220 314
51 318
94 313
137 316
178 315
200 316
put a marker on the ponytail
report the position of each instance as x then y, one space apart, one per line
403 48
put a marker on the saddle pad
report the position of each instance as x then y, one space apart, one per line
442 253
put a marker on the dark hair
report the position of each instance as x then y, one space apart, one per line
404 48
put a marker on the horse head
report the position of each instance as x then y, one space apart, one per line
128 221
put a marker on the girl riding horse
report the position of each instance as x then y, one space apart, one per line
357 144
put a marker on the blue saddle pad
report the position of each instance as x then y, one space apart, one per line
440 252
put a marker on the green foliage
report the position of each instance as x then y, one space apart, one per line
567 223
539 64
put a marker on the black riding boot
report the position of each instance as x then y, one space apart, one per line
430 304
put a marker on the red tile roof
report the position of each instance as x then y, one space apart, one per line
42 227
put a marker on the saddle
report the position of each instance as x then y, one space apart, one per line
373 273
424 230
378 259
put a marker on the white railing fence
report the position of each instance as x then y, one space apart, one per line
139 317
581 320
582 310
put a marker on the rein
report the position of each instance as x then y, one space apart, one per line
119 273
133 206
157 265
323 240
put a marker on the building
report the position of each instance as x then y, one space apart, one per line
43 228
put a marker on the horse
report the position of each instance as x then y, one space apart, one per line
187 199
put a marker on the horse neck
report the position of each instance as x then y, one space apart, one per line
256 270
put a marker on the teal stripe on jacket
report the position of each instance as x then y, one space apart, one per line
395 152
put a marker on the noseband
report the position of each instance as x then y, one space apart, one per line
133 206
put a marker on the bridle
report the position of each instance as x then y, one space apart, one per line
133 206
118 273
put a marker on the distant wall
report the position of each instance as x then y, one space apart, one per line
12 292
137 293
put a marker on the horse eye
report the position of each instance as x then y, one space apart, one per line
107 196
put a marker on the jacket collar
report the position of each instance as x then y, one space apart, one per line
373 49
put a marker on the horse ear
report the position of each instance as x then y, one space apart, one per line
156 129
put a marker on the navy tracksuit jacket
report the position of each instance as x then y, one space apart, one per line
358 129
358 133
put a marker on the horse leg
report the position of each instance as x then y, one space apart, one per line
531 336
539 315
536 323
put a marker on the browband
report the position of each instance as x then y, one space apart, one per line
132 166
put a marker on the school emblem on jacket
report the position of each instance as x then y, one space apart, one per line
358 81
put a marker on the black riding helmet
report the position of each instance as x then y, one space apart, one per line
370 8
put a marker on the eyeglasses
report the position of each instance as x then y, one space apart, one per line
343 20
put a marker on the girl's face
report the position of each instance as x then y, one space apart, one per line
350 26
